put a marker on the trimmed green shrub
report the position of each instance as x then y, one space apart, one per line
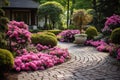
100 36
91 32
44 39
34 31
49 33
115 36
6 60
56 32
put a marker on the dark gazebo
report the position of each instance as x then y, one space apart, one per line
22 10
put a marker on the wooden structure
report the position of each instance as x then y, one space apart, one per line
22 10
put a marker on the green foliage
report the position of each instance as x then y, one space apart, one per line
83 4
3 24
99 37
91 32
3 29
6 60
4 20
81 17
44 39
115 36
108 7
51 10
35 31
72 27
49 33
56 32
2 13
105 8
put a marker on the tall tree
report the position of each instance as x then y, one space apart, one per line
52 11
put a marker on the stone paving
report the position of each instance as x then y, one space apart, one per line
86 64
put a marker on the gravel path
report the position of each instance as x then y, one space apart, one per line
86 64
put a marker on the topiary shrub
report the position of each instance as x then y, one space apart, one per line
115 36
91 32
49 33
6 61
56 32
44 39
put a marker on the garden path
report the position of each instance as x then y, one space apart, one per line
86 64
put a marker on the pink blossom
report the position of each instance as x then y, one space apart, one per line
68 35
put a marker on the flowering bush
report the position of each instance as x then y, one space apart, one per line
114 50
118 55
68 35
40 61
95 43
18 34
41 47
112 23
100 45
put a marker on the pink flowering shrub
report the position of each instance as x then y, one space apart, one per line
95 43
68 35
40 61
40 47
31 56
112 23
100 45
18 34
113 49
118 54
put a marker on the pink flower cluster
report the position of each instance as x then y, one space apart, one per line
113 49
100 45
18 33
118 55
113 20
61 53
41 47
40 61
68 35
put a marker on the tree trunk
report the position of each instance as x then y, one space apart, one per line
73 3
68 2
45 25
53 24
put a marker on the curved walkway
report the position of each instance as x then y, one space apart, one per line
86 64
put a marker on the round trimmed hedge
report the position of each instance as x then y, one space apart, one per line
6 60
49 33
115 36
44 39
56 32
91 32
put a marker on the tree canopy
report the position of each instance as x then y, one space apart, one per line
50 10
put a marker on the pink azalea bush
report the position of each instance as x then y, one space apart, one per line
40 61
68 35
40 47
112 23
40 58
18 34
118 56
100 45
